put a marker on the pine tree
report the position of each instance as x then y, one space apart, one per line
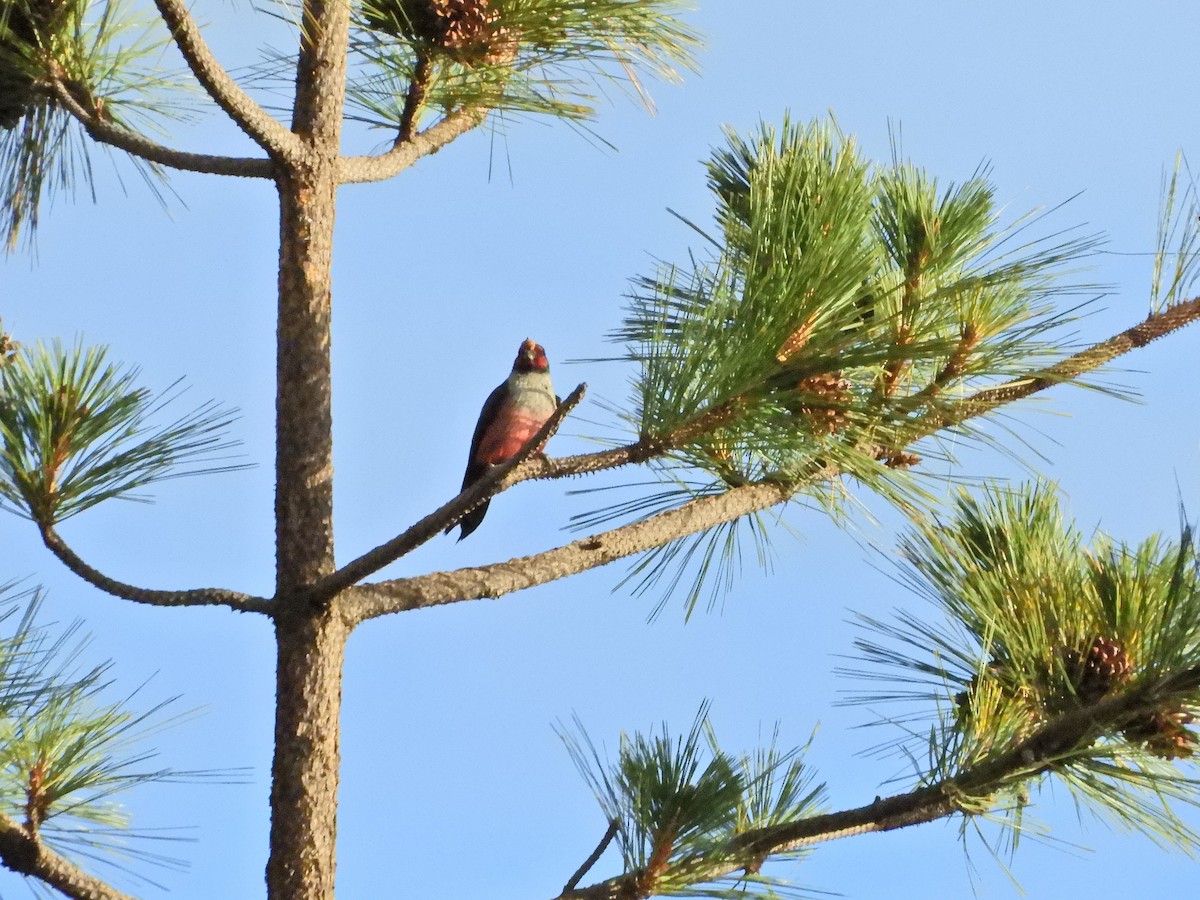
842 324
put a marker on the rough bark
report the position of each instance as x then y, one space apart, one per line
304 778
24 853
259 125
439 588
303 405
310 636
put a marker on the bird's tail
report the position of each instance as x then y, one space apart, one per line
471 520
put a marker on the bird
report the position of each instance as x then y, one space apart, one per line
512 414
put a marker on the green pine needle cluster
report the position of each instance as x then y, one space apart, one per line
844 309
76 430
681 804
549 57
1041 625
1177 251
66 753
104 55
845 302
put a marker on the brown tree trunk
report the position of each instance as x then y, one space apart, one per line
311 637
304 777
303 403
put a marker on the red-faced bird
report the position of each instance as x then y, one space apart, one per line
511 416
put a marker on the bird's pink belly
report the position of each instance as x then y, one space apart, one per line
508 435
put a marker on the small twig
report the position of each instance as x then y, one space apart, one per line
446 515
614 826
1153 327
416 97
955 365
917 257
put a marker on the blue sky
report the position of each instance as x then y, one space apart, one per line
454 782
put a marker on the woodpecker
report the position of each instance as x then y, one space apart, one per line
512 414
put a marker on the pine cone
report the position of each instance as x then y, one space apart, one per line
1105 666
823 402
468 31
1164 733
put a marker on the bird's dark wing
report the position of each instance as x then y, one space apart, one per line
491 407
475 469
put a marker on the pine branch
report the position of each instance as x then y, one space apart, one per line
1153 327
107 132
439 588
27 855
594 857
405 152
261 127
414 101
1053 744
195 597
447 515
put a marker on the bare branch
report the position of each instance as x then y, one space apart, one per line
360 169
107 132
586 463
496 580
613 827
25 854
196 597
497 479
261 127
1055 743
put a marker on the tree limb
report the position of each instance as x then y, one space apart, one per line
108 132
360 169
259 125
195 597
1055 743
439 588
415 99
613 827
26 855
1153 327
447 515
